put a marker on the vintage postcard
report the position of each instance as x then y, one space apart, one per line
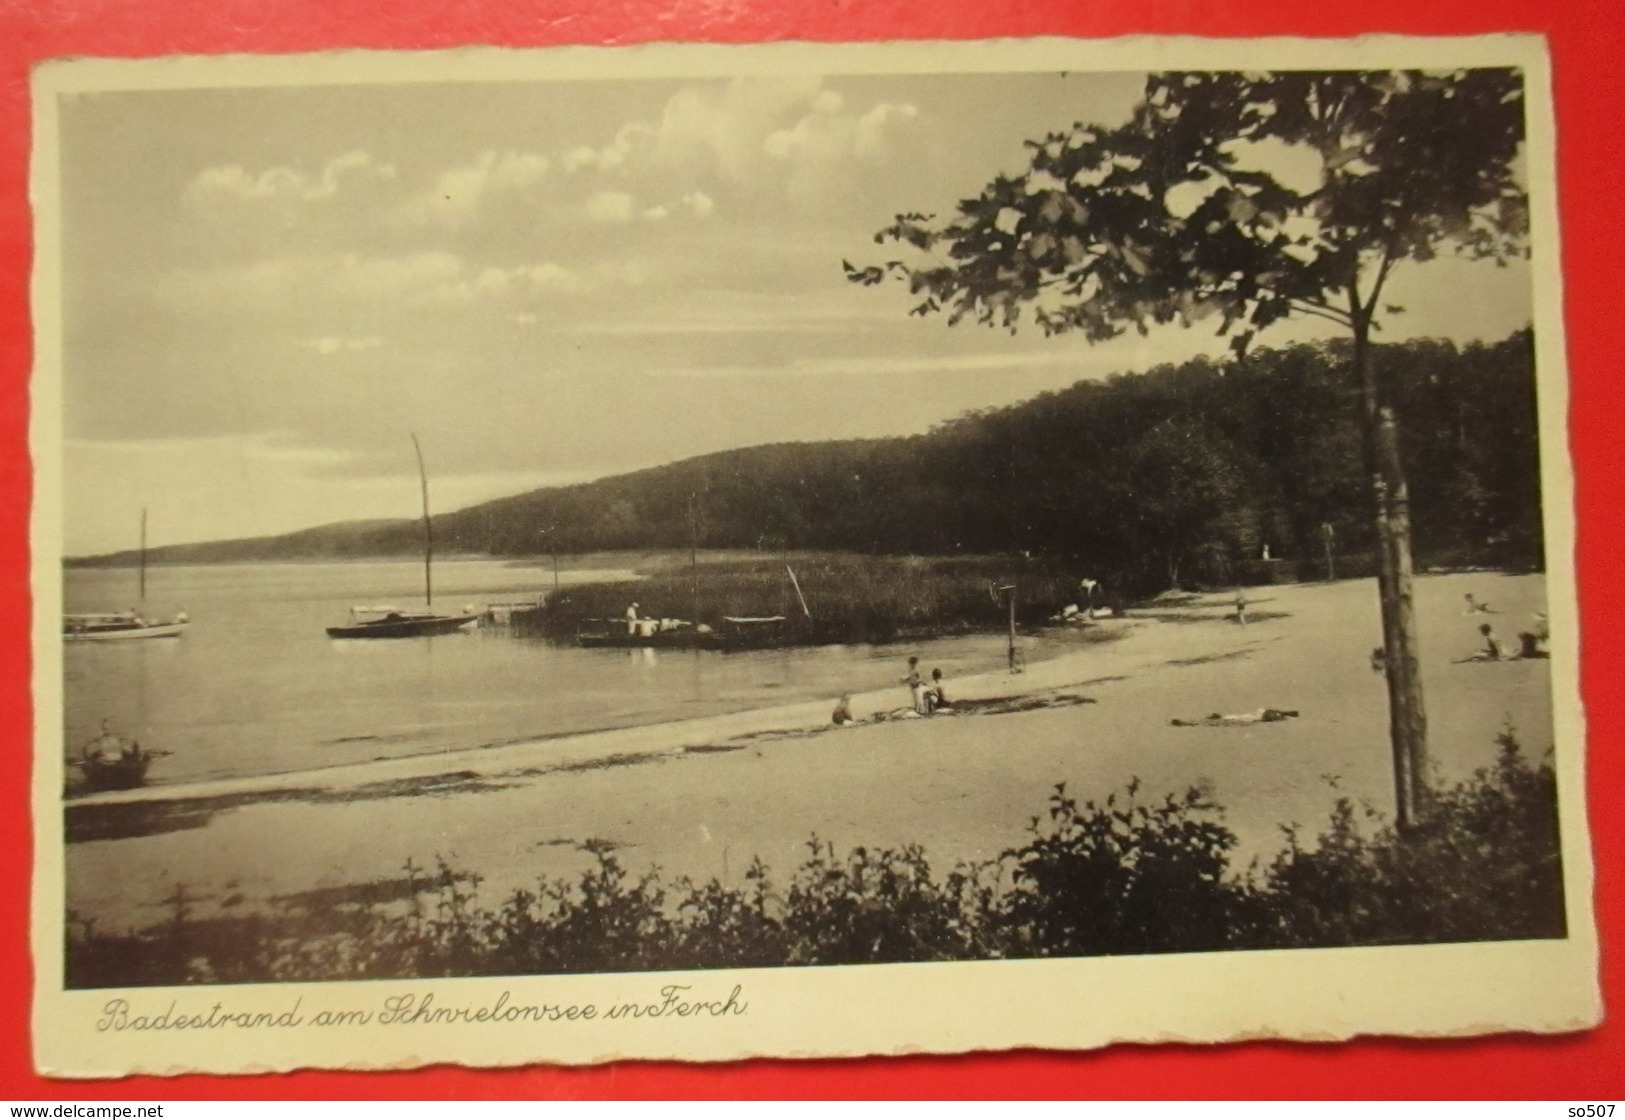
706 552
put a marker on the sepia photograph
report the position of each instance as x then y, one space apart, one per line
625 540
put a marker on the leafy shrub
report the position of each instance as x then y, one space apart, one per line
1124 875
1483 863
1134 877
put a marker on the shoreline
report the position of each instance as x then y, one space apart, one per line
564 749
703 797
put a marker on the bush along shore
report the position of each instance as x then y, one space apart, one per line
833 598
1130 874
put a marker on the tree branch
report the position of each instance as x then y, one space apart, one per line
1383 269
1323 311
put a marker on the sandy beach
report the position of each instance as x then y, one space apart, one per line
703 797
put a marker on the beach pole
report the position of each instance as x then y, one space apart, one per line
1012 650
694 553
795 583
143 556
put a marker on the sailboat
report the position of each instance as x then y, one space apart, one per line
394 622
111 626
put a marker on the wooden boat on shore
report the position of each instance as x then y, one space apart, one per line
392 622
111 761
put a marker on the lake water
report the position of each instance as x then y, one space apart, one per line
256 686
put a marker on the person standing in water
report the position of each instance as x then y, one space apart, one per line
918 692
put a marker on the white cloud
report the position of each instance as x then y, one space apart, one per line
233 182
613 155
610 207
870 135
699 204
656 214
459 193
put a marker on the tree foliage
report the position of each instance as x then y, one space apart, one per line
1244 198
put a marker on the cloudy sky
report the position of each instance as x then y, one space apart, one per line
265 290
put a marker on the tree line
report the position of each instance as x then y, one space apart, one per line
1182 475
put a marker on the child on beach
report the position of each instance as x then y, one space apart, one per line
1492 650
1241 609
843 711
939 698
919 692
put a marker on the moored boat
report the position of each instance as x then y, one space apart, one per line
120 626
392 622
387 622
648 633
115 626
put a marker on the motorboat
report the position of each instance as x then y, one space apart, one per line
120 626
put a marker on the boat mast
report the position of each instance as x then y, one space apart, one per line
428 529
694 551
143 556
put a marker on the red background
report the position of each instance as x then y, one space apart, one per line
1587 42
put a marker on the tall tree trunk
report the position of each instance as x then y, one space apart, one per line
1407 715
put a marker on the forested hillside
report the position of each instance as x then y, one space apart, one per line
1161 478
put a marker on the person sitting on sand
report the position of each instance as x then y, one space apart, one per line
919 691
939 698
1531 646
1242 719
1492 650
1532 643
843 711
1475 607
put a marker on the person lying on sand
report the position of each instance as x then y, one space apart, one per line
1243 719
1475 607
